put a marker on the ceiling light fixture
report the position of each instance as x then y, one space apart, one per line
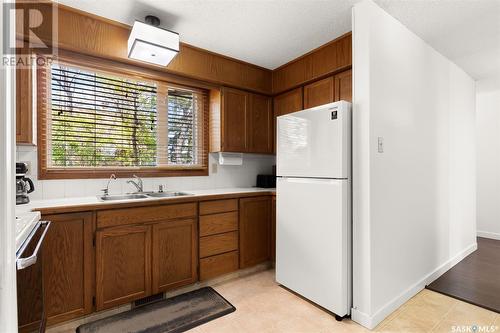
150 43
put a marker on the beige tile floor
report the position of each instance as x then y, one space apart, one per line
264 307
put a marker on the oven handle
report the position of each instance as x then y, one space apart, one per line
22 263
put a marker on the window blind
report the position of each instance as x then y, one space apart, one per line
106 120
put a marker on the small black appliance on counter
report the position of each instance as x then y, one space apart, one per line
266 181
24 185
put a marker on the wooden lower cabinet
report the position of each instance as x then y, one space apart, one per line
175 254
255 230
68 266
214 266
123 265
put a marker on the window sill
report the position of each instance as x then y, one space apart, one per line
121 173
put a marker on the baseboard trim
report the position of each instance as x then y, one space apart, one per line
371 322
487 234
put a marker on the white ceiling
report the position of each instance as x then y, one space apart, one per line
465 31
270 33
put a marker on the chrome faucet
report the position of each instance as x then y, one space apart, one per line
137 183
106 190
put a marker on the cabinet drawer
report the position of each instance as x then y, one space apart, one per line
218 223
211 245
115 217
218 206
218 265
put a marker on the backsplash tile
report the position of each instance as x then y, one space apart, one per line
225 176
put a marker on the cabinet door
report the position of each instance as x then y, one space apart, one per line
24 116
68 261
175 255
234 120
343 86
123 256
319 93
288 102
255 230
260 121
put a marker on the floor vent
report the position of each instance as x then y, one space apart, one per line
149 299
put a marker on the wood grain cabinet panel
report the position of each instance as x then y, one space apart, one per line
123 259
123 216
240 122
24 110
286 103
343 86
218 206
68 266
175 254
218 223
319 93
255 230
234 120
217 244
260 123
217 265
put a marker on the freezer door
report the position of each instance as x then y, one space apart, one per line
315 142
313 240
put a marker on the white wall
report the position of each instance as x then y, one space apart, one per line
220 176
488 158
8 296
414 204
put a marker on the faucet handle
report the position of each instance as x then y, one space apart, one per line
105 191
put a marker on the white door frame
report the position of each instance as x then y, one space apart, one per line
8 291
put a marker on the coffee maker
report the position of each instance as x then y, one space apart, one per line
24 185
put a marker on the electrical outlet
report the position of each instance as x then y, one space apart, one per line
214 167
380 144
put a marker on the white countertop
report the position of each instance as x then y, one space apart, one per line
64 202
25 222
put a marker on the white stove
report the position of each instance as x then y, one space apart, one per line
25 222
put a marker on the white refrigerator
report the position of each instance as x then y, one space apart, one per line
313 217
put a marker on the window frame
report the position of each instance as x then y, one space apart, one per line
130 71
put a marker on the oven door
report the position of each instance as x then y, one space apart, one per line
30 310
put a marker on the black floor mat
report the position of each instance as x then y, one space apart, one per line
173 315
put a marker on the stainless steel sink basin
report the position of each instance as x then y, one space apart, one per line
122 197
166 194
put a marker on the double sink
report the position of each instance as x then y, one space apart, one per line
142 195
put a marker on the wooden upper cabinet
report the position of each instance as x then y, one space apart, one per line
234 120
288 102
24 110
343 86
68 266
240 122
285 103
175 254
255 230
319 93
260 121
123 259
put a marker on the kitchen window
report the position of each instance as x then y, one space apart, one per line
93 123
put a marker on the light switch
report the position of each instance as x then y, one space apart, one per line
380 144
